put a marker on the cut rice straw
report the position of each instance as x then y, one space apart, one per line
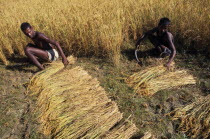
169 80
194 118
139 78
72 104
153 79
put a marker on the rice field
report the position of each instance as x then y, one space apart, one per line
99 28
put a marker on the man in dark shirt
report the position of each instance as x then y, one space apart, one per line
161 39
43 47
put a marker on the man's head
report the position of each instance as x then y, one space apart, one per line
164 23
28 30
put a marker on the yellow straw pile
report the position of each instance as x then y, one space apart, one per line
195 118
153 79
122 131
170 80
72 104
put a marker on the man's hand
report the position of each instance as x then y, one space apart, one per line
168 65
136 46
65 62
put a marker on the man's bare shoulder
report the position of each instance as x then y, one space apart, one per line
169 35
41 36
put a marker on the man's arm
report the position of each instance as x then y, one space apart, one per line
53 42
172 47
140 39
145 35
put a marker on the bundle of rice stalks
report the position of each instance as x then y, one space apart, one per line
153 79
195 118
138 79
116 133
72 104
169 80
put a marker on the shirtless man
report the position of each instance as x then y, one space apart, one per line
161 39
43 47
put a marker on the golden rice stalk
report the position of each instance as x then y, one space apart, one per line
125 128
36 80
138 79
169 80
3 57
153 79
72 104
195 118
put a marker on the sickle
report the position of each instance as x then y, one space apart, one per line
136 51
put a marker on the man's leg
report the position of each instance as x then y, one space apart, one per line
32 53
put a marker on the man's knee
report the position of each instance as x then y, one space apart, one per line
29 47
28 50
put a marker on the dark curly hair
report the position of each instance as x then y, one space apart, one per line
164 21
24 26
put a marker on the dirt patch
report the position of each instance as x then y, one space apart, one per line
16 120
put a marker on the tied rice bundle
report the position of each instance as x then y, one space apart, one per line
72 104
140 78
170 80
150 80
195 118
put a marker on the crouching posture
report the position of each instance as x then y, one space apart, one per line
43 47
161 39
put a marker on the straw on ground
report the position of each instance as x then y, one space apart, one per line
73 105
195 118
153 79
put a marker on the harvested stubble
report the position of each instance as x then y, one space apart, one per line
195 118
153 79
73 105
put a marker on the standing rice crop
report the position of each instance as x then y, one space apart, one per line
98 27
